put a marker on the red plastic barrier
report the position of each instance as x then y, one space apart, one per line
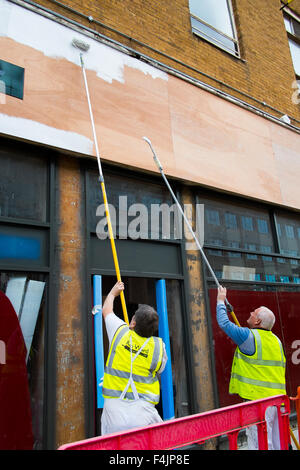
297 401
197 428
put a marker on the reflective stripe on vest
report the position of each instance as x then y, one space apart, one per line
262 374
121 367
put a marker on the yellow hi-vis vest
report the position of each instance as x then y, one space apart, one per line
131 367
262 374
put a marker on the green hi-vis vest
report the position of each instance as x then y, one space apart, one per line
131 367
262 374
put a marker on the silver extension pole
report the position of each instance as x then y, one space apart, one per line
181 211
189 225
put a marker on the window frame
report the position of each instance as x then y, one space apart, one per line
215 42
290 16
49 273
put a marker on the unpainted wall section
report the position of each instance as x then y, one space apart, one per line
264 71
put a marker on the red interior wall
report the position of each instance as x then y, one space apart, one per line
286 307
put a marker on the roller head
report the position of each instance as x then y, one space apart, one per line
82 46
147 140
154 154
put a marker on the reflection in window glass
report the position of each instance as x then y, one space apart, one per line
213 217
214 13
295 53
247 223
230 220
289 227
293 28
262 225
245 267
212 19
235 229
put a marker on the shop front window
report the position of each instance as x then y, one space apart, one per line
24 271
239 226
257 258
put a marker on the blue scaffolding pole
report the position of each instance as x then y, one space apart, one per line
163 331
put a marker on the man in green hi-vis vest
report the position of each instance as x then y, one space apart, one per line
258 368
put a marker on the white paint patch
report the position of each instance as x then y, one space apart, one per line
37 132
55 41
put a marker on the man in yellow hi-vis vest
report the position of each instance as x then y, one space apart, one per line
258 368
131 387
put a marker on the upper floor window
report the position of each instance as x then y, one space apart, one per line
11 79
292 25
213 20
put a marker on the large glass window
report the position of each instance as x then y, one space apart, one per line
213 20
247 243
24 266
288 228
248 267
254 250
237 226
138 209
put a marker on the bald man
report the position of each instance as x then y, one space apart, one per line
258 368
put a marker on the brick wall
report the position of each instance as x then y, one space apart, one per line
264 71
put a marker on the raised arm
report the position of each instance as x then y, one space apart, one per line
238 334
108 305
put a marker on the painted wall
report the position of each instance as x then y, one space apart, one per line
198 137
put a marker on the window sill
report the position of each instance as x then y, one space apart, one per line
236 55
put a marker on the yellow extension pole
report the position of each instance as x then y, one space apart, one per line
294 439
84 47
114 251
234 318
